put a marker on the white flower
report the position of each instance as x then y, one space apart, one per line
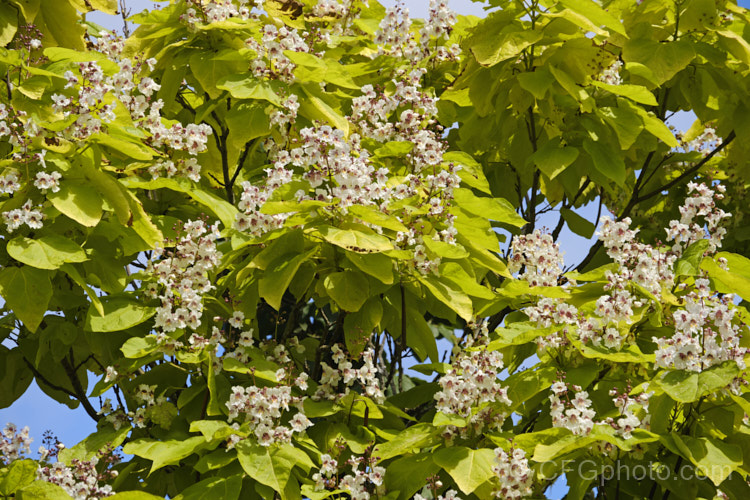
237 319
45 181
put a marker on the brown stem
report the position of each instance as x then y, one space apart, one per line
78 391
124 13
692 170
221 141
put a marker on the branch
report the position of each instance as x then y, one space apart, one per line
221 142
80 394
124 13
248 149
402 342
46 382
691 171
185 104
531 208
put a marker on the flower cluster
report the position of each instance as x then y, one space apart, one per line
218 10
539 257
339 170
183 167
550 312
345 373
184 274
271 61
575 414
637 262
332 8
27 214
135 92
261 408
630 409
705 142
280 118
336 168
9 183
395 37
471 389
438 26
14 443
81 480
700 203
109 44
611 75
45 181
416 111
364 475
704 333
448 495
513 472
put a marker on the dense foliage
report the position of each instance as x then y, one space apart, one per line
298 245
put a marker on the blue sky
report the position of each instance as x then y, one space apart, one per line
39 412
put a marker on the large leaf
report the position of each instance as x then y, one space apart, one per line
687 386
213 488
314 106
312 68
359 326
408 475
652 124
376 265
128 146
415 437
552 158
375 216
577 224
224 210
134 495
664 59
471 172
78 201
19 474
636 93
120 313
348 289
626 124
357 240
606 161
59 21
596 14
468 468
712 457
494 41
94 443
166 452
278 275
47 252
8 24
27 291
736 280
246 87
15 375
42 490
271 465
449 295
498 209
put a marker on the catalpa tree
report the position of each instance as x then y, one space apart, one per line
298 247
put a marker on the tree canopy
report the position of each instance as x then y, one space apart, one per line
299 245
